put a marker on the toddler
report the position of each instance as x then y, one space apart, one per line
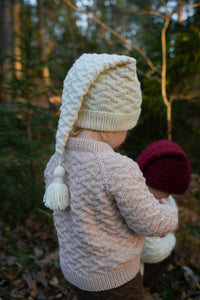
102 206
167 171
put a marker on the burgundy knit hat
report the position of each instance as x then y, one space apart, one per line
165 166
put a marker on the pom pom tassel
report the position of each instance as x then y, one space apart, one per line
57 193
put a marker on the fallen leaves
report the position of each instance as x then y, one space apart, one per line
29 257
9 273
190 277
29 262
33 290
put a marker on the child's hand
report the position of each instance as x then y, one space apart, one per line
162 201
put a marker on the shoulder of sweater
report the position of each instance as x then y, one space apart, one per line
114 166
120 159
117 164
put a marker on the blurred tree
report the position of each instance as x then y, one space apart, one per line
17 32
41 39
50 35
24 135
6 39
103 15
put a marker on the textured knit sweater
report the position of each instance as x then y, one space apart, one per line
157 249
101 235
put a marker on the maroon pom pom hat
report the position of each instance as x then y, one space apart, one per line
165 167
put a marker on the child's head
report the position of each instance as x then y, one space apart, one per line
101 93
165 167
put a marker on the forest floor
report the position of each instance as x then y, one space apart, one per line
29 262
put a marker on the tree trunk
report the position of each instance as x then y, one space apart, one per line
180 10
41 29
16 48
6 37
169 121
71 32
164 81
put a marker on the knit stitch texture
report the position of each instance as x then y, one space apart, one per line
113 100
157 249
165 166
101 234
112 105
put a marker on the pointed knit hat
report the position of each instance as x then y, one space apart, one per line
101 92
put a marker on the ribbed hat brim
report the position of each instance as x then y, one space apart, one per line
103 121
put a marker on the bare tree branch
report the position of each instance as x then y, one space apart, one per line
193 5
164 84
102 34
149 76
151 12
167 17
114 32
164 60
165 6
71 32
180 11
192 96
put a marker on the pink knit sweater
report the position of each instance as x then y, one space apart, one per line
101 234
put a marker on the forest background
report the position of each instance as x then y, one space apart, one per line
40 40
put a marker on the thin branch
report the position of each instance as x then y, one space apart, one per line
151 12
164 60
102 34
191 97
114 32
149 76
165 6
193 5
163 74
112 42
155 13
71 32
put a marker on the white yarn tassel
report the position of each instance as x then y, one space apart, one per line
57 193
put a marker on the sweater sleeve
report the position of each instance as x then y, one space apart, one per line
141 211
157 249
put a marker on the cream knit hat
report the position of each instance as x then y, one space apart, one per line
101 92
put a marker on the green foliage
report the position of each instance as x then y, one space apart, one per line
152 122
27 129
166 294
25 137
23 160
186 130
184 62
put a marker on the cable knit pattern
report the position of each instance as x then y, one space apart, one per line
113 100
157 249
83 74
101 234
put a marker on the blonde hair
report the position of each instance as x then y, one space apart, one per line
107 136
75 131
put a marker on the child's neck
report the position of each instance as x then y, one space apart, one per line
90 135
114 139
